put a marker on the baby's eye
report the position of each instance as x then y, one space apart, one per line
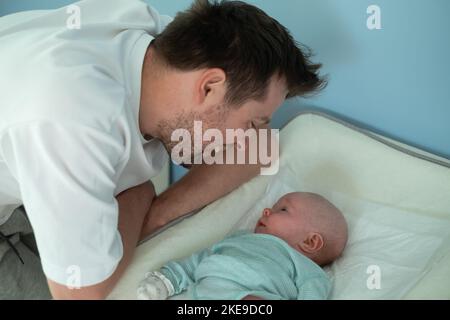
283 209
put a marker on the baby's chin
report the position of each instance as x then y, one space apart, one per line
260 229
263 230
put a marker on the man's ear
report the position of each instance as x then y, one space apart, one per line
212 86
313 243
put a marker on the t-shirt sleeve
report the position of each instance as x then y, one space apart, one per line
66 174
317 288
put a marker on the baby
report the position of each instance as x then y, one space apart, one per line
281 259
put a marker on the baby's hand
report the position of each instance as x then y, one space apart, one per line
155 286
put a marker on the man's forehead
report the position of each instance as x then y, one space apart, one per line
263 109
276 91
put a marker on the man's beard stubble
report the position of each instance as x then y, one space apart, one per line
213 119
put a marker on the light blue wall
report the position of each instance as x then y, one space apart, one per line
11 6
395 81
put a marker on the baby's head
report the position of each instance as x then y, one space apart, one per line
309 223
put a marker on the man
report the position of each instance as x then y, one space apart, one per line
86 118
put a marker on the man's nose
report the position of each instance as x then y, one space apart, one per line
266 212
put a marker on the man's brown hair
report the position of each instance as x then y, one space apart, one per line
242 40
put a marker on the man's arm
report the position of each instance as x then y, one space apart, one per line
134 203
202 185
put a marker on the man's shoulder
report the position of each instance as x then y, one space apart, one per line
87 98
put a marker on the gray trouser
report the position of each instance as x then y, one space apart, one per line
21 275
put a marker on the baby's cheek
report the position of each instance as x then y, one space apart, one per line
276 229
285 229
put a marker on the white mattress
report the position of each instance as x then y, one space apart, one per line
398 188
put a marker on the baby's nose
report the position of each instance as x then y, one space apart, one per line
266 212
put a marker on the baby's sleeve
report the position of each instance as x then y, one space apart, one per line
317 288
181 272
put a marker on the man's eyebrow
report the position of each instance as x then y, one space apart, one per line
265 120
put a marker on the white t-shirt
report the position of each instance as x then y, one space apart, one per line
69 133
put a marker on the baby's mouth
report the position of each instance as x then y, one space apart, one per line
260 224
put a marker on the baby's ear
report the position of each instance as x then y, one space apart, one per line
313 243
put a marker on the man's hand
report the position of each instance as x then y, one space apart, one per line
134 204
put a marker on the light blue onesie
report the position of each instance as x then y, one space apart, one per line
246 263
